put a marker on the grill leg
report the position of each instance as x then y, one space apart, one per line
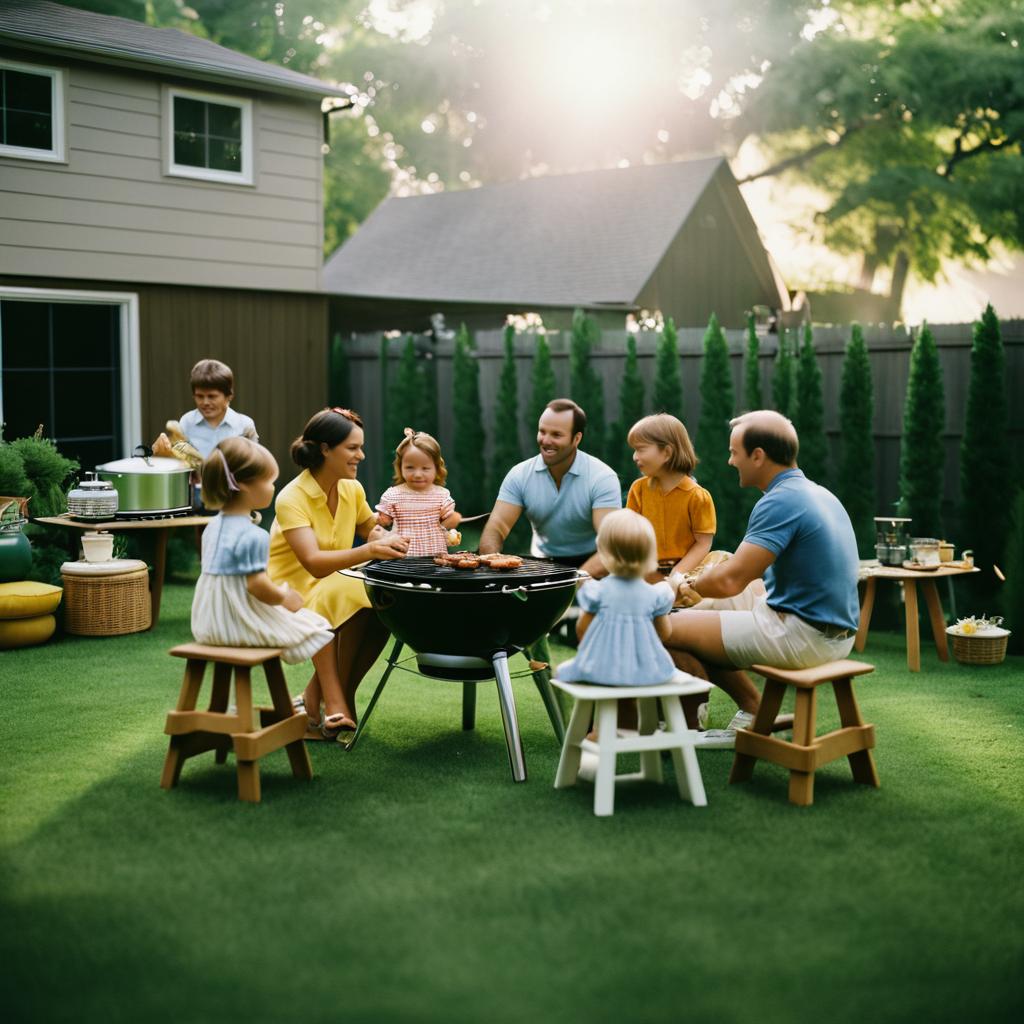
508 717
542 679
365 716
468 705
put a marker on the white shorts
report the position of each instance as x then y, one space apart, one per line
763 636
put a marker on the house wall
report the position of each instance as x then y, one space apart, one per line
110 213
716 264
275 342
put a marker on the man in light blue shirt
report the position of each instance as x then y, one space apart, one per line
564 492
800 541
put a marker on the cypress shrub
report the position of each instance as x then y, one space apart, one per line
468 455
668 379
809 413
542 383
986 464
631 408
856 482
751 369
716 410
782 375
506 416
584 384
922 459
1013 600
339 374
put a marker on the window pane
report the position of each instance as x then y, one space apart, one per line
24 335
88 454
189 115
29 130
225 156
225 121
84 335
26 403
82 405
27 92
189 149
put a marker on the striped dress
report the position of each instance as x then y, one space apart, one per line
417 515
225 614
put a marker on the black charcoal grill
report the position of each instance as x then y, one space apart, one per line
464 624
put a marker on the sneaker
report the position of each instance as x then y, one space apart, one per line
724 739
588 766
702 716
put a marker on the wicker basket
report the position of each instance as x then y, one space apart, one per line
986 648
106 605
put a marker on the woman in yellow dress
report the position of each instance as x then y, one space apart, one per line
317 516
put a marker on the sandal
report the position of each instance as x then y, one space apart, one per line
313 727
334 725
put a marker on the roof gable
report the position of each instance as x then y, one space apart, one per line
587 239
49 26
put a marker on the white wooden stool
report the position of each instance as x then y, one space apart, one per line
675 737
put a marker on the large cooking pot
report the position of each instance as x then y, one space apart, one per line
148 485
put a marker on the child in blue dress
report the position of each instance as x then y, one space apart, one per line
236 604
624 618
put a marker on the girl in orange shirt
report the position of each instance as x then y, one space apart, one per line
681 512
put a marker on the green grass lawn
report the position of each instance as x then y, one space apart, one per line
413 881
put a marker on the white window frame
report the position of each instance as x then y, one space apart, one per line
243 177
56 153
131 388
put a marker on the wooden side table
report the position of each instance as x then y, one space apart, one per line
911 579
161 527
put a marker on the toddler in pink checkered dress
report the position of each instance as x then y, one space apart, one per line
418 507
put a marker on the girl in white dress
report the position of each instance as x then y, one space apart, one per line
236 604
418 506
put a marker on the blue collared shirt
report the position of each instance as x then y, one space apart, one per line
562 517
205 438
814 574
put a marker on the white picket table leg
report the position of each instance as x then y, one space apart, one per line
604 784
569 762
684 757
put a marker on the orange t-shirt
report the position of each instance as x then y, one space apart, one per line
686 510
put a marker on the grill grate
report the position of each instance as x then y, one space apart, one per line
423 570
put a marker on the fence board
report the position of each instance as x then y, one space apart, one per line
889 351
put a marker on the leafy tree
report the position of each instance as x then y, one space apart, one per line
668 380
716 410
809 414
631 408
752 369
986 461
856 482
506 416
542 383
468 458
782 375
908 117
339 374
585 386
922 457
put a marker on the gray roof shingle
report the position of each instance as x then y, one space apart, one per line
50 26
585 239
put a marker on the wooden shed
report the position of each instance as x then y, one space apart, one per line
674 237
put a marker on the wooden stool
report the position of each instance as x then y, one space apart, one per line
807 752
194 732
676 737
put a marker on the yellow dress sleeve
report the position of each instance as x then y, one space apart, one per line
363 510
291 510
702 512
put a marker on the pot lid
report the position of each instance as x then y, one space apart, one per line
155 465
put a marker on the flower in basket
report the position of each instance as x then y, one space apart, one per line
974 624
966 627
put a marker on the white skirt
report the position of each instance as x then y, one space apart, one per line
225 614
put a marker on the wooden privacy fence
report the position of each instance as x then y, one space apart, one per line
889 350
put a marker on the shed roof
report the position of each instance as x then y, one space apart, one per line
54 27
590 239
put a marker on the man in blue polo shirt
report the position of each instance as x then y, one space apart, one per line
564 492
800 541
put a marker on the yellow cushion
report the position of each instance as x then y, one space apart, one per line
25 632
28 598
